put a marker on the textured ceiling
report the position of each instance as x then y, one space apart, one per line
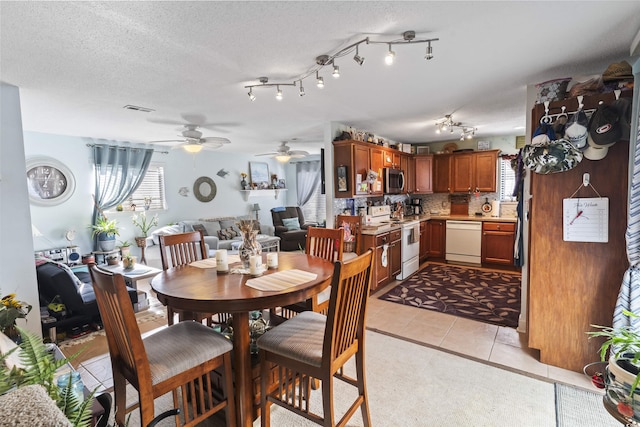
78 63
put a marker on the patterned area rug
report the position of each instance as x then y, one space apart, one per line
487 296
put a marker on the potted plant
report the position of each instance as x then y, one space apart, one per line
106 230
144 224
125 248
622 374
128 262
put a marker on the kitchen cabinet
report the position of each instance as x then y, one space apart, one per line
377 162
437 238
424 241
395 253
474 171
442 173
381 266
408 165
498 239
391 159
356 157
423 174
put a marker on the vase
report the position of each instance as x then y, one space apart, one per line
249 246
106 242
619 377
243 184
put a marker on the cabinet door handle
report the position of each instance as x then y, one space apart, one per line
498 227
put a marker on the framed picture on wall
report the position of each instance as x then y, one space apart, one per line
259 172
342 178
484 145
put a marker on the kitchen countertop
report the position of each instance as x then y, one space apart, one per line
385 228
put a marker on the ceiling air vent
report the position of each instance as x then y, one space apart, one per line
136 108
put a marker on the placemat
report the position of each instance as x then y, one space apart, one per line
281 280
211 262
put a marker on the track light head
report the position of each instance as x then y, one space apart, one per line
391 56
359 59
319 80
429 54
278 93
301 92
336 71
252 97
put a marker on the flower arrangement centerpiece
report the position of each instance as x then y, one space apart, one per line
145 224
250 245
10 310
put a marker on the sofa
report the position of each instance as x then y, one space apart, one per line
291 227
219 233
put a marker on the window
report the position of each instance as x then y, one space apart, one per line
315 209
152 186
507 180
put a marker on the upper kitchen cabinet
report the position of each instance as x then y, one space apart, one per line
391 159
423 174
408 165
442 173
352 161
474 171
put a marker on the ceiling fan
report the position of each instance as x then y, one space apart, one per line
193 142
283 153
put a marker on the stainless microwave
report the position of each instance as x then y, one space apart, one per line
393 181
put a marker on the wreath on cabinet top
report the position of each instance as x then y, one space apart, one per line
198 185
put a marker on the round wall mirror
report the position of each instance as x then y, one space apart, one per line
204 189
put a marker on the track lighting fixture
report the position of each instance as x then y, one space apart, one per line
466 132
391 55
319 80
408 37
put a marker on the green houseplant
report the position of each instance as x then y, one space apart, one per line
622 376
106 230
39 367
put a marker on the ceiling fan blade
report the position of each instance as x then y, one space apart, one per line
167 140
215 140
298 153
268 154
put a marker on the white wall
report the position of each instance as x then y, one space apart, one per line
181 170
17 267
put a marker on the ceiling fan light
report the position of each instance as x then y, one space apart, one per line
192 148
283 158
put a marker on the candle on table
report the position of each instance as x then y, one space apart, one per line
255 264
272 259
222 263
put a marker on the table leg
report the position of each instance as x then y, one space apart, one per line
242 371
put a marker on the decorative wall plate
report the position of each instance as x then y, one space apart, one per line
50 182
200 190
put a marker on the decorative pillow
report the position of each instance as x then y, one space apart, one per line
227 233
230 224
291 223
200 227
163 231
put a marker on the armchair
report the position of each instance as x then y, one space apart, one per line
293 237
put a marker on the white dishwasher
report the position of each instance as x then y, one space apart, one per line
464 241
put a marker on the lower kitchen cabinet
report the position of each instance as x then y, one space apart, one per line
424 240
498 239
382 258
395 254
437 238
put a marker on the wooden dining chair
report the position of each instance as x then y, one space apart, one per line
179 359
324 243
312 346
182 249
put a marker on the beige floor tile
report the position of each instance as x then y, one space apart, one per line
475 339
429 327
100 368
511 337
577 379
520 359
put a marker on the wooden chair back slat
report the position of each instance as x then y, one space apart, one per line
347 306
182 248
325 243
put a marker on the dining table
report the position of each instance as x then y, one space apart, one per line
194 289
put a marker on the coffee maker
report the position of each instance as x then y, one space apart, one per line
416 206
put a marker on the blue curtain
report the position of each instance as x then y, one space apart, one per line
118 172
307 179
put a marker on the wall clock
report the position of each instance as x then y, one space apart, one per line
204 189
49 181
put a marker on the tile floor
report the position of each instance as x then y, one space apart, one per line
499 346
